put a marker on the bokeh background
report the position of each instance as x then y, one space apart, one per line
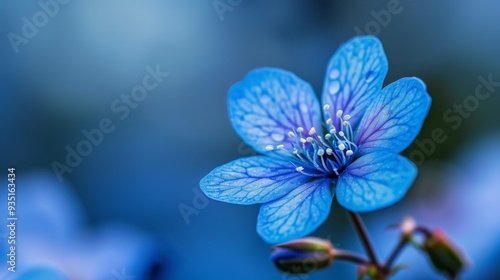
130 191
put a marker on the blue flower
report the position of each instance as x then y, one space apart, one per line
52 241
349 146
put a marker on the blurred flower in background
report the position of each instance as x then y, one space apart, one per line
53 241
466 207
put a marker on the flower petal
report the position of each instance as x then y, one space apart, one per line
375 181
268 104
354 76
296 214
394 118
250 180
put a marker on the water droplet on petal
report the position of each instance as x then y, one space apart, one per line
334 87
334 74
265 99
278 137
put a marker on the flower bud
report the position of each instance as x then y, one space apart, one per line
408 226
369 271
443 254
303 255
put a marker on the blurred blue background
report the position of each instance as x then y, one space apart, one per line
63 75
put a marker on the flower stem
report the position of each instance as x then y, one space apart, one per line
349 256
427 233
365 238
401 244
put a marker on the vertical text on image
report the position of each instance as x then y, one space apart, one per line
11 218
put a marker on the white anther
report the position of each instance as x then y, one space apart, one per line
339 113
341 147
329 151
336 171
309 139
300 168
291 134
302 140
345 123
328 136
347 117
300 129
280 147
329 121
312 131
341 134
321 152
295 151
349 153
326 107
269 147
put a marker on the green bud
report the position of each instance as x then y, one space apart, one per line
443 254
370 272
302 255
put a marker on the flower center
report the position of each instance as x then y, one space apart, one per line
314 155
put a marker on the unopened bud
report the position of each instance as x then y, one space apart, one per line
408 226
443 254
368 272
302 255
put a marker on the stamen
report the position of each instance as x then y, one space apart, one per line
323 161
301 170
349 130
338 159
343 158
316 155
296 153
